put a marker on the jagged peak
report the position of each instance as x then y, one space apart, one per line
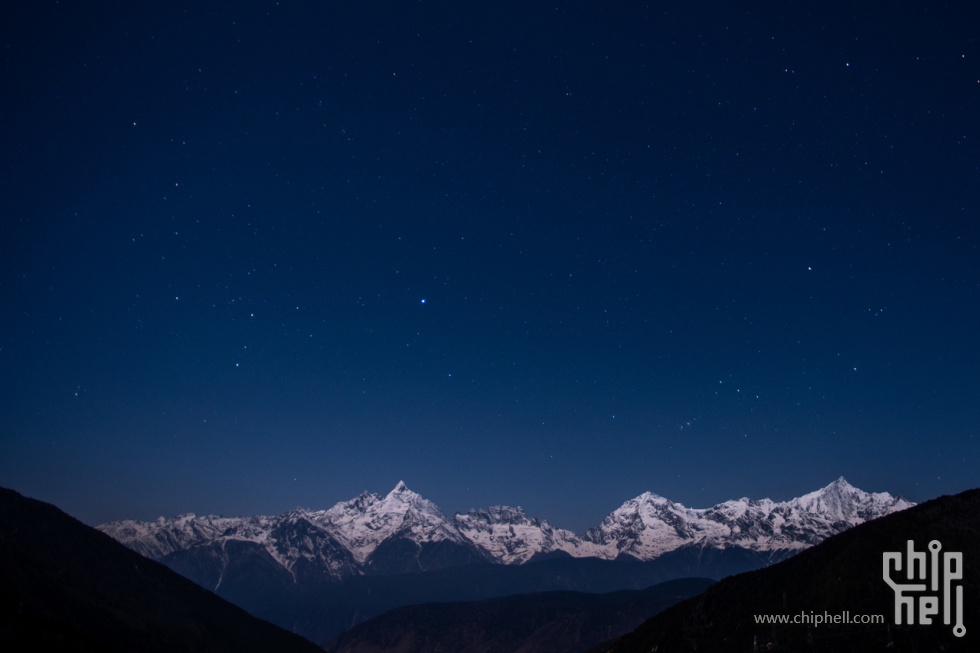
654 499
183 517
365 498
400 488
838 488
840 484
497 514
506 510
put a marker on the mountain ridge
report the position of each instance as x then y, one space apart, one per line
403 531
542 622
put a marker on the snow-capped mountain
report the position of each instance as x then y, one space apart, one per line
404 532
509 536
367 534
363 523
162 537
649 525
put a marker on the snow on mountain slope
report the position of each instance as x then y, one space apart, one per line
363 523
507 535
159 538
338 542
842 501
335 543
649 525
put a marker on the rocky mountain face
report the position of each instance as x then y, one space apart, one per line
403 532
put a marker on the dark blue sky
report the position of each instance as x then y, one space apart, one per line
266 254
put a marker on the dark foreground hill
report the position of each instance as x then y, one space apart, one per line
546 622
843 573
359 599
67 587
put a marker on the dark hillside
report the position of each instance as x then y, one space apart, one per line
545 622
67 587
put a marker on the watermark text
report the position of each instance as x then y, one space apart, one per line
816 619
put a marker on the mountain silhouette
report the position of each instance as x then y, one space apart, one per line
67 587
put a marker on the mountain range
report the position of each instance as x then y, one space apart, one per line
319 572
403 532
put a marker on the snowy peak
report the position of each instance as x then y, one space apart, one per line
399 489
839 500
651 499
363 523
843 502
648 526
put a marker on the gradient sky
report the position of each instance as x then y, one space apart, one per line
260 255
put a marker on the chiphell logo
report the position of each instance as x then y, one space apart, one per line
939 571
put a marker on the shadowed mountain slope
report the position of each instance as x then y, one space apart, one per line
546 622
67 587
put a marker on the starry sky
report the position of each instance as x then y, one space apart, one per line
260 255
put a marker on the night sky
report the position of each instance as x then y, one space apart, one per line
260 255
